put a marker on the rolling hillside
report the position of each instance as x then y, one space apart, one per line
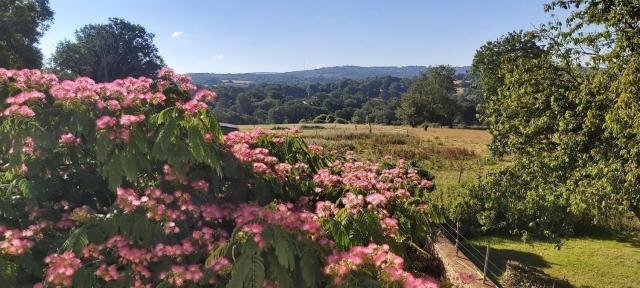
321 75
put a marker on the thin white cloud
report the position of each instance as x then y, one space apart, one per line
219 56
176 34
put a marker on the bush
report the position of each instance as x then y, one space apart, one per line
340 121
322 118
132 184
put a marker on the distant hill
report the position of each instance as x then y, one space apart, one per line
321 75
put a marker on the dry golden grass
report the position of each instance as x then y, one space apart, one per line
452 155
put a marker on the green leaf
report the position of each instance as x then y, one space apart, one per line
129 167
104 146
113 172
165 136
255 277
77 240
197 144
240 271
278 273
283 246
310 266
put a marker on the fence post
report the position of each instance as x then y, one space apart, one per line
486 262
457 235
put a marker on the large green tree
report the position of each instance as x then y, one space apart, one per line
428 100
22 23
109 51
569 118
487 71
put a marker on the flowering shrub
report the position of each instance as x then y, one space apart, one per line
132 184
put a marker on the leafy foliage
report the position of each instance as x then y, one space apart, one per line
560 102
106 52
132 184
370 100
22 24
429 98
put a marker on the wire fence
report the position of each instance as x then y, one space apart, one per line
483 262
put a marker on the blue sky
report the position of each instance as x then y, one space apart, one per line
230 36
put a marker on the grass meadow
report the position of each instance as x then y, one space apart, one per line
459 156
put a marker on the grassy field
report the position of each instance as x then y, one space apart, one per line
458 156
452 155
606 260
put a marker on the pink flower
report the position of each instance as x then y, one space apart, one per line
25 97
426 183
207 95
27 148
156 98
352 202
18 110
208 137
82 89
200 185
376 199
260 168
316 149
68 138
166 72
389 226
61 268
105 121
109 273
325 209
193 106
128 120
283 169
219 264
113 105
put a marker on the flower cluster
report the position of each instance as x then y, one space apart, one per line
69 138
17 242
284 216
61 267
28 78
108 273
378 257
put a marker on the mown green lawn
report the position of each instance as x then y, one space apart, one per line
600 261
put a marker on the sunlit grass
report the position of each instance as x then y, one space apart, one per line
597 261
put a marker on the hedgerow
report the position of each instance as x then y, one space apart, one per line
132 184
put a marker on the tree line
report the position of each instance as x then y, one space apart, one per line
380 100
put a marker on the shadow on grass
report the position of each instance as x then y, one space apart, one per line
499 257
630 237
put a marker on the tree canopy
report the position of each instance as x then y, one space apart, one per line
429 98
372 100
106 52
22 23
563 102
